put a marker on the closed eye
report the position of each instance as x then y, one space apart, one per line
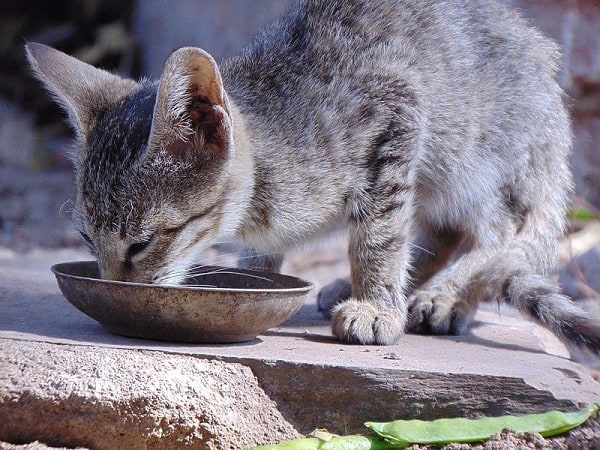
137 248
178 228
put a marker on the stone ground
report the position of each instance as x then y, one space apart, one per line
289 381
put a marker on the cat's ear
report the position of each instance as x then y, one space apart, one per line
191 115
81 89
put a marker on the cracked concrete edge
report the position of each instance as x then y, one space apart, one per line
102 398
342 399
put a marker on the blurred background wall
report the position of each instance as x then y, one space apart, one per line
134 38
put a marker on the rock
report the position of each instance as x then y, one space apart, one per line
585 50
35 209
32 446
586 155
106 398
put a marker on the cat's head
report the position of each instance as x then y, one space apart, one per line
152 160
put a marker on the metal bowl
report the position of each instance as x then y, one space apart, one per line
232 305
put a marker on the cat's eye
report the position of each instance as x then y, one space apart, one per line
138 248
178 228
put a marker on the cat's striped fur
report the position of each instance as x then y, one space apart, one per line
433 129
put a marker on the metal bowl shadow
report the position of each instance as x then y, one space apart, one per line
232 305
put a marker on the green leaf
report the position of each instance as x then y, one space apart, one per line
445 431
399 434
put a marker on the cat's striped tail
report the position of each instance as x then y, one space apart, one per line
516 283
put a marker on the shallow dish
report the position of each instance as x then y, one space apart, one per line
232 305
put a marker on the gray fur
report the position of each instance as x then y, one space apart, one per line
433 129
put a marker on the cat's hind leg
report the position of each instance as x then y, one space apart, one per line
441 306
514 273
511 277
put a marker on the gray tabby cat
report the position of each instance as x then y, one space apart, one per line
433 129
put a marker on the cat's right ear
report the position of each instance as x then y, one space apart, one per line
81 89
192 115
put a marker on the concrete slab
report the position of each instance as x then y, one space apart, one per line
506 365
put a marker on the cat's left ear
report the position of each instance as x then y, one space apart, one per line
82 90
192 115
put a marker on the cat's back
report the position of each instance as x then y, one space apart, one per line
316 34
455 47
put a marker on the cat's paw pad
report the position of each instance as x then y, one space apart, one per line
358 322
438 313
333 294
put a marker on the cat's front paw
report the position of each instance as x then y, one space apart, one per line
438 313
359 322
333 294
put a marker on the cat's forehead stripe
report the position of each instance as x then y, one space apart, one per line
113 157
129 122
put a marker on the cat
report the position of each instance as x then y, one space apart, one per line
433 130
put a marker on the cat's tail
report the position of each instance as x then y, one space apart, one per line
510 277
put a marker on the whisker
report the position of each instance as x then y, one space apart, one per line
230 272
241 254
422 249
205 267
60 210
217 260
192 285
225 258
255 255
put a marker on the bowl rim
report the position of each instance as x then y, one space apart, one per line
308 286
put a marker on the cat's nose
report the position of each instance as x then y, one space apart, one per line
115 272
